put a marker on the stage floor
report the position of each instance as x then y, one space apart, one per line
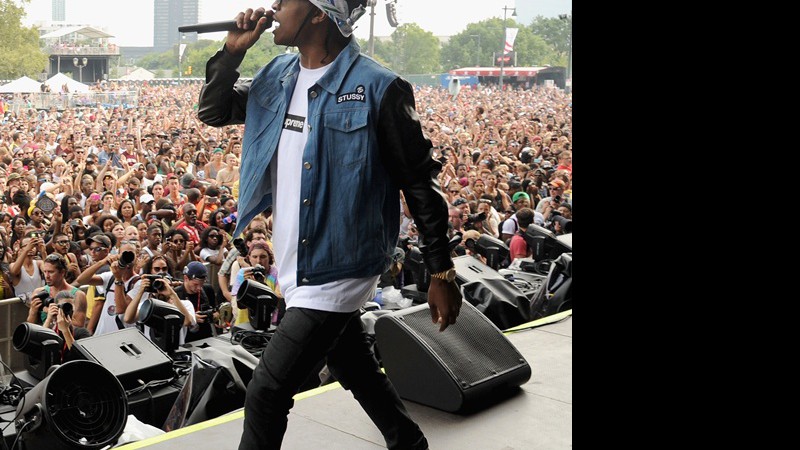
538 417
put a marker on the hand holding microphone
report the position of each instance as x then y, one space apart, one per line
243 31
250 26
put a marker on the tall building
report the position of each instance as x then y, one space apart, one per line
168 15
59 10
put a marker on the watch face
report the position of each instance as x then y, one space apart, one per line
450 275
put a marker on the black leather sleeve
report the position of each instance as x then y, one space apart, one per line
406 154
222 100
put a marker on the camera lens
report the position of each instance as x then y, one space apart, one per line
126 259
158 285
67 308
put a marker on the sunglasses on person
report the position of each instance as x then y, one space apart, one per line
180 172
58 259
191 212
213 236
178 241
64 242
98 249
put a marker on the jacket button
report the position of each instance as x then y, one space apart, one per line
306 202
304 242
307 165
313 94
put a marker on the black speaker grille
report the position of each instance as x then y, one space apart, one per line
472 348
86 405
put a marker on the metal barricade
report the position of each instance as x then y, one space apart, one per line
62 101
12 313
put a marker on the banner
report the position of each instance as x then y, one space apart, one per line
511 36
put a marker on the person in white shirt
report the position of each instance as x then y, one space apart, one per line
161 266
122 286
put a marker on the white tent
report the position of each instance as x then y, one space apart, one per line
139 74
56 81
21 85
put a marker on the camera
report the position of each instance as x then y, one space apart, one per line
258 271
477 217
229 219
557 199
240 245
565 224
126 259
157 283
207 310
46 302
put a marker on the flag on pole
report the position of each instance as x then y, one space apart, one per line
511 36
183 48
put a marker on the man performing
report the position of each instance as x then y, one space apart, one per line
331 138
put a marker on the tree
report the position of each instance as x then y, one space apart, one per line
462 49
412 50
19 46
554 31
380 49
198 53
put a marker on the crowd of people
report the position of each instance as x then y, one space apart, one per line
82 189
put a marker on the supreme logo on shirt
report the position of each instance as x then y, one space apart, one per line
294 123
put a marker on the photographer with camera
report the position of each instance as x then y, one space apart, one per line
201 296
59 311
559 221
556 189
236 258
262 269
121 285
54 268
157 282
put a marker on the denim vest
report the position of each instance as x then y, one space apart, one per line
350 209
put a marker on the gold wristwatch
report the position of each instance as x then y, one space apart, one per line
448 275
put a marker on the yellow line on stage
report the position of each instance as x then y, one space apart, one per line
543 321
217 421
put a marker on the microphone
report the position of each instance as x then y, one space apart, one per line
211 27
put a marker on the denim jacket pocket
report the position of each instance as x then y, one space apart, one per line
346 136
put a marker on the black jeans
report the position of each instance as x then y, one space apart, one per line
303 338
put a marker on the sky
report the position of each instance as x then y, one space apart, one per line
131 21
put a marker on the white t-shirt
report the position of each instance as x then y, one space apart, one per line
346 295
146 182
206 253
107 322
511 225
189 308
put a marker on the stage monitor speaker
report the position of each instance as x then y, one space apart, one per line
129 355
469 268
469 364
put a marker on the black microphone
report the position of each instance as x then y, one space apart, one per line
211 27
